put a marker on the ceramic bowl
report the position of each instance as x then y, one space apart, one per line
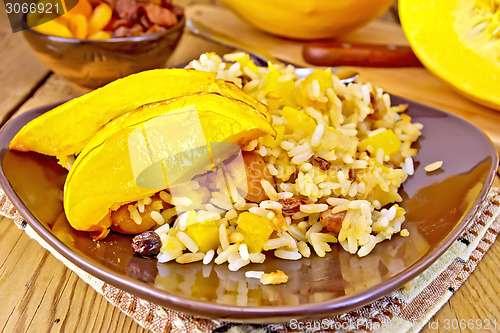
94 63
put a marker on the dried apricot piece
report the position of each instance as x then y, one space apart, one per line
100 18
100 35
54 29
83 7
78 26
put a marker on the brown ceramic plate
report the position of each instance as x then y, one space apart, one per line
440 205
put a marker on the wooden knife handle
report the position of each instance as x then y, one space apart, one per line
336 53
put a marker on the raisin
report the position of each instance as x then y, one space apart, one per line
147 244
291 205
321 163
378 107
332 221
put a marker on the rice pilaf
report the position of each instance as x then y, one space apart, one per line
339 157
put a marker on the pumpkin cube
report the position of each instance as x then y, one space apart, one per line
256 230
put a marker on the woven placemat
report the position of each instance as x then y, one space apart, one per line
405 310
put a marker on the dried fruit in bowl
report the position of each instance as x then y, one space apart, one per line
107 19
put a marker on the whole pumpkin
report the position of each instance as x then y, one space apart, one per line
458 41
308 19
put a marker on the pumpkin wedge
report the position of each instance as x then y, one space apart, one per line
136 145
67 128
459 41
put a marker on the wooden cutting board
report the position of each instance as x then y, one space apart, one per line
413 83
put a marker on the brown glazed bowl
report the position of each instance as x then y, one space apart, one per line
94 63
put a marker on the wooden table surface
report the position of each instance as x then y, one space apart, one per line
39 294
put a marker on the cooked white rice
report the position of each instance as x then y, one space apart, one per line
433 166
328 157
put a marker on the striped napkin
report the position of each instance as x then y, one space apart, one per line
405 310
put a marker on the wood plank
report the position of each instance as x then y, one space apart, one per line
21 71
39 294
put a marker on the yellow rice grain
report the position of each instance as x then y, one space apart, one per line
433 166
190 257
134 214
223 237
304 249
269 189
165 197
208 257
313 208
157 217
257 258
222 257
188 242
277 277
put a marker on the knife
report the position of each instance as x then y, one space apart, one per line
337 53
262 56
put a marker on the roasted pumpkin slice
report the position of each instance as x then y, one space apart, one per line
459 41
151 148
66 129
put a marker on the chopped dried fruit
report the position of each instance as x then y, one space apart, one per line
386 140
100 35
291 205
83 7
205 235
104 19
321 163
256 170
160 15
277 277
332 221
78 26
126 9
256 230
54 29
100 18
